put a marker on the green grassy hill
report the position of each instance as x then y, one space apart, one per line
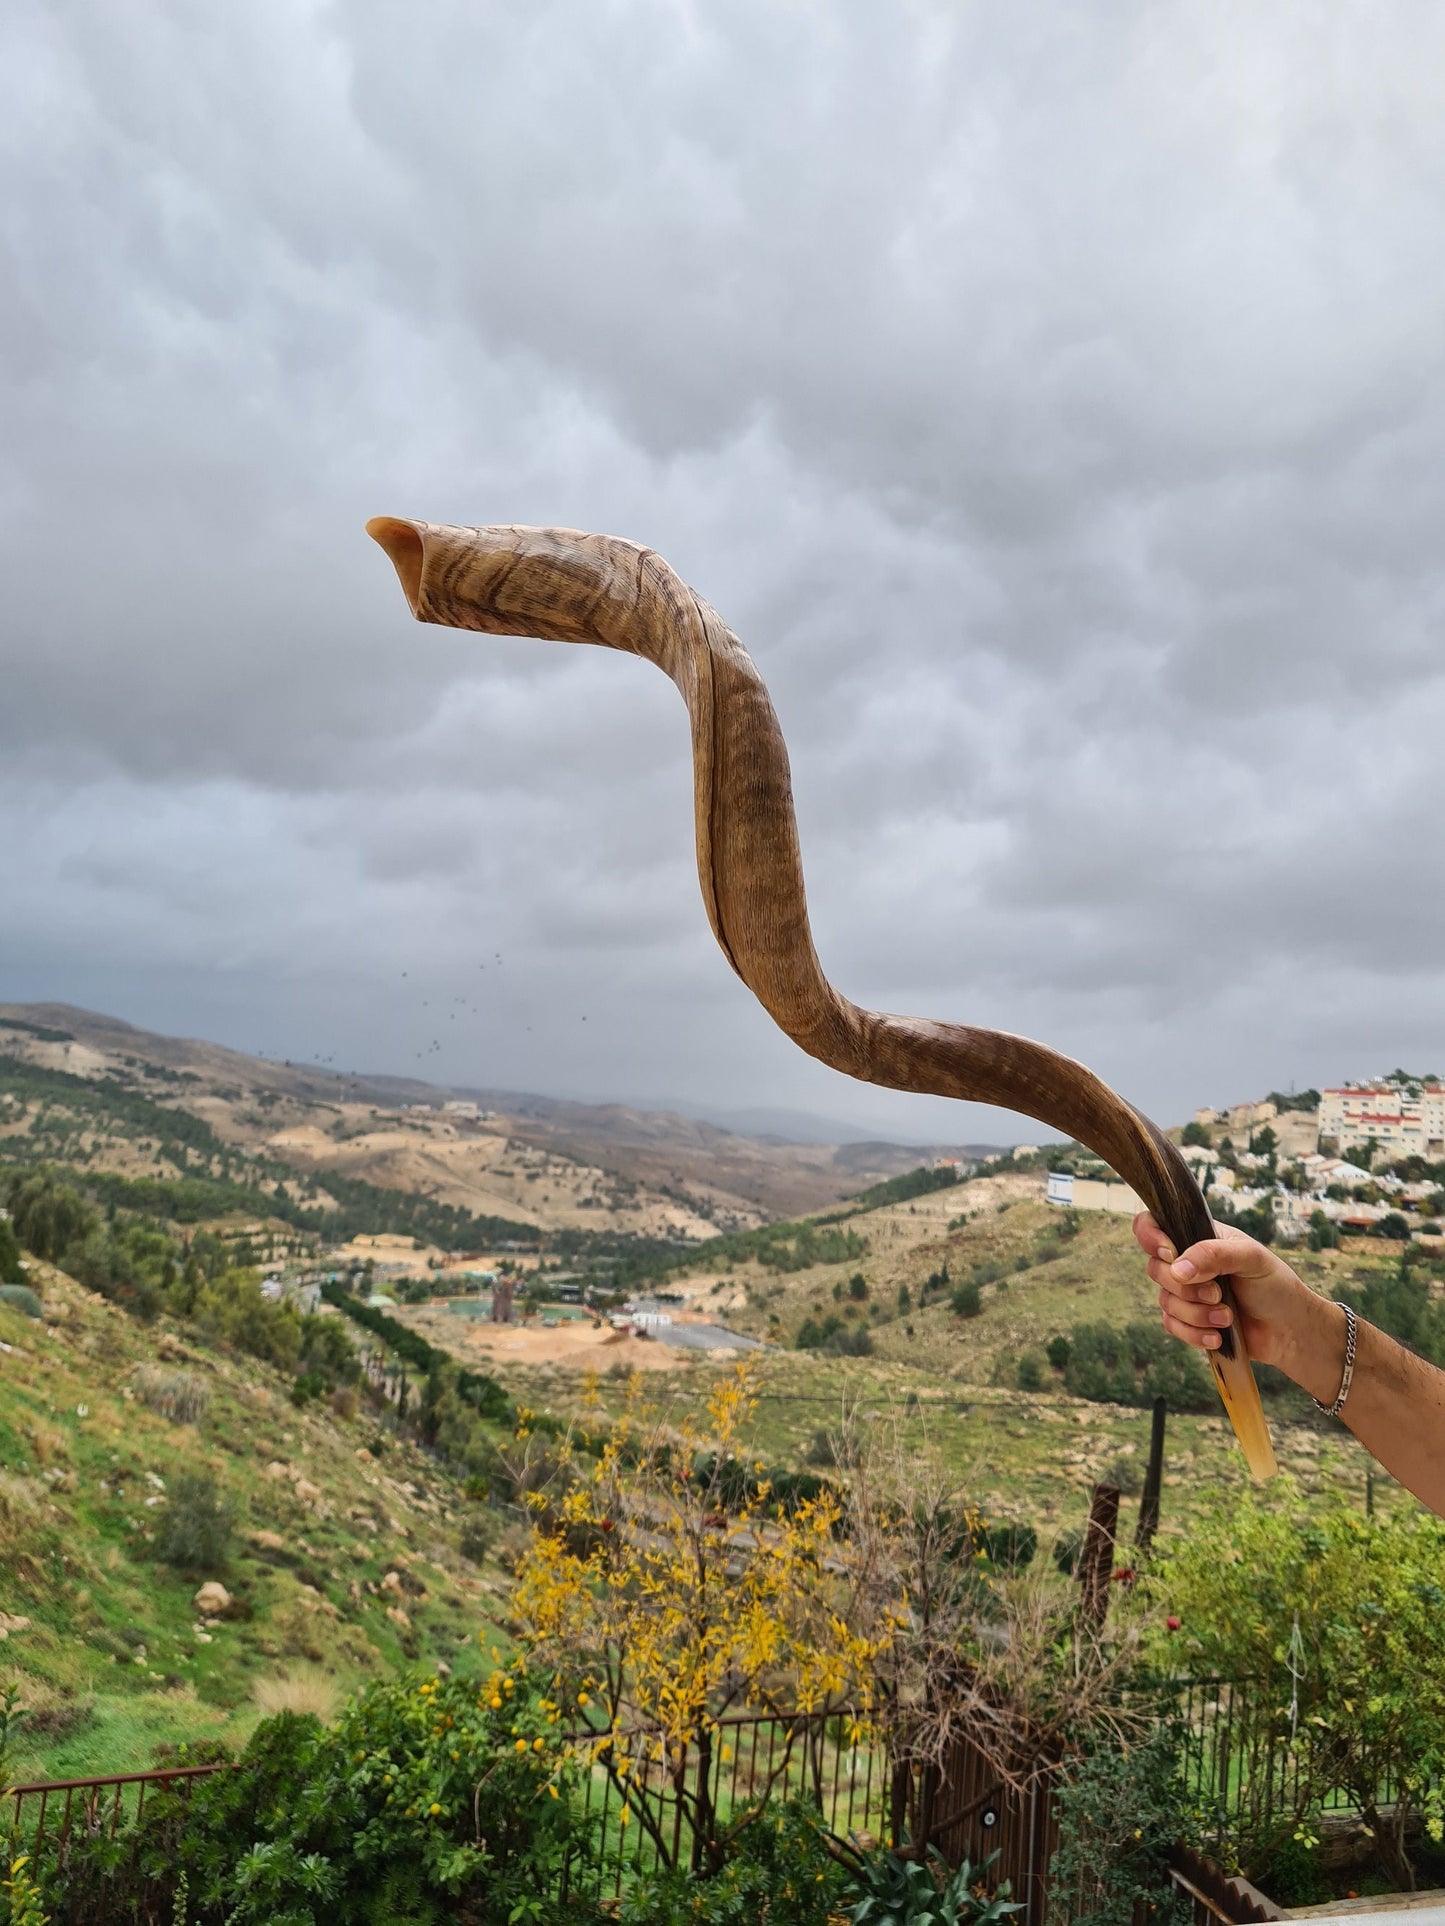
343 1562
948 1383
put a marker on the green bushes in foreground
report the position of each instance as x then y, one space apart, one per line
434 1800
428 1801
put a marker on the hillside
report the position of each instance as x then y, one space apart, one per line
344 1560
941 1378
938 1314
532 1161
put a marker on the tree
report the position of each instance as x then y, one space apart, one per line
661 1609
1058 1352
1194 1133
1392 1224
1323 1235
1264 1143
232 1308
12 1270
1031 1372
49 1216
858 1287
967 1300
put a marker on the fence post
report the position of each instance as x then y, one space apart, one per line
1153 1478
1096 1561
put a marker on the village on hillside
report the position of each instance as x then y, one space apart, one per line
1311 1166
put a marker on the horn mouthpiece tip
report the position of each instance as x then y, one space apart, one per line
403 544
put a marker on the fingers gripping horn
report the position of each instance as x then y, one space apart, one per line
563 586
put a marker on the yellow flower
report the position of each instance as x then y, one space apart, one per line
539 1745
435 1809
521 1745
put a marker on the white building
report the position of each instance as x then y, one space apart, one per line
1091 1193
1404 1120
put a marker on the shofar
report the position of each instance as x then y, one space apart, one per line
563 586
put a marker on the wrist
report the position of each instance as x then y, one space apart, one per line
1313 1344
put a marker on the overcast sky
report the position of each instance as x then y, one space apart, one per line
1050 397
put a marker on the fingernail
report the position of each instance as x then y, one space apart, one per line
1221 1316
1166 1253
1210 1294
1211 1338
1183 1268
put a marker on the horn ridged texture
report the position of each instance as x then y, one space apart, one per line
565 586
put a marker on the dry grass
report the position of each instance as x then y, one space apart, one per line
181 1396
305 1688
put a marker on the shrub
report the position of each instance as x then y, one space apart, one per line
831 1334
20 1298
890 1891
478 1533
195 1532
1323 1236
857 1287
781 1872
1125 1474
1059 1350
1105 1364
1339 1616
231 1307
1031 1372
1294 1873
1010 1547
427 1801
1120 1813
1393 1224
967 1300
181 1396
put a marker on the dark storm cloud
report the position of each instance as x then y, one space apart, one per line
1053 402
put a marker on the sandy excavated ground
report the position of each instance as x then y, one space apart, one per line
575 1345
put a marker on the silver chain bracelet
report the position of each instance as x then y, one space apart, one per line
1333 1410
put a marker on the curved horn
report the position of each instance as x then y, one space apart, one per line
564 586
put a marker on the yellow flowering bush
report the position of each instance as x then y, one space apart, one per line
664 1592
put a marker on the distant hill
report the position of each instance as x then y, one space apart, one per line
529 1160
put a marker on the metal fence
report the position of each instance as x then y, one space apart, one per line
812 1756
50 1815
1238 1758
1246 1754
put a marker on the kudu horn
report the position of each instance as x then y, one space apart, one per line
563 586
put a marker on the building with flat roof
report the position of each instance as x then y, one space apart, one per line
1404 1119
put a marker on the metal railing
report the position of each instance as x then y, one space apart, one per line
48 1816
752 1757
1237 1759
104 1801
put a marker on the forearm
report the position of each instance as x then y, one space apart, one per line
1396 1405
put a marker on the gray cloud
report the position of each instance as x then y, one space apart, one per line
1054 406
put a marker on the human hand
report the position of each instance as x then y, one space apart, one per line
1265 1290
